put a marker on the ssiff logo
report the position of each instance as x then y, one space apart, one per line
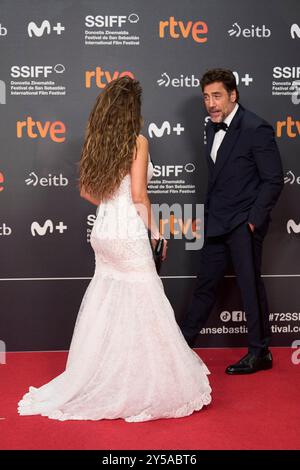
177 29
35 71
101 21
172 170
2 92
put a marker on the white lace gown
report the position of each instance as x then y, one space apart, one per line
128 358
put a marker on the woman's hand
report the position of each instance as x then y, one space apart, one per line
154 242
88 197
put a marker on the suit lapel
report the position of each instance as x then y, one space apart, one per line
228 142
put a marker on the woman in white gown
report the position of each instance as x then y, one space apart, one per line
128 358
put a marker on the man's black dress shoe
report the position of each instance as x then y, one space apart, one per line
251 363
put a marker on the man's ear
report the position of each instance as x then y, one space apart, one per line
233 96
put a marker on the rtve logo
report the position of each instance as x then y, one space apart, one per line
179 30
34 129
289 127
1 182
103 77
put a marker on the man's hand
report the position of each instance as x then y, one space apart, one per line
252 227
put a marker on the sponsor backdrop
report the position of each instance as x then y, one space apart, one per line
56 57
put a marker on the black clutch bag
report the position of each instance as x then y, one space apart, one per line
157 253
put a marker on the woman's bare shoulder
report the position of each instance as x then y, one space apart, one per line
142 140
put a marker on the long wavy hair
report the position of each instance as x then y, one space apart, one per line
110 138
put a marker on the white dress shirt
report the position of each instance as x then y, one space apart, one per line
219 136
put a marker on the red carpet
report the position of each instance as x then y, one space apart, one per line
260 411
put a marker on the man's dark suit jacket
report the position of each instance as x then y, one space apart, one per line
247 178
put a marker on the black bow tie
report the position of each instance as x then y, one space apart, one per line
219 125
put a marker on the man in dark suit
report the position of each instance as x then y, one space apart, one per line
245 181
